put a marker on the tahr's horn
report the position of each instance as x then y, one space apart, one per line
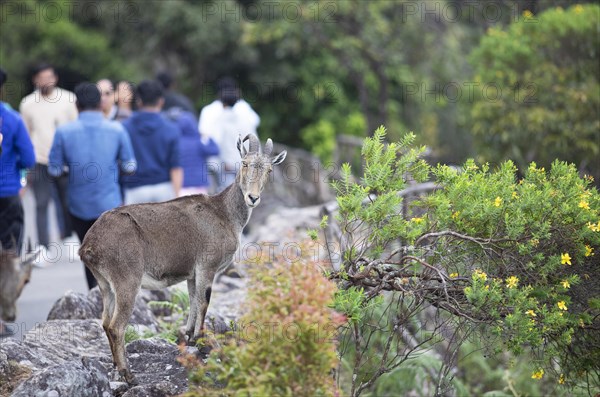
254 143
268 147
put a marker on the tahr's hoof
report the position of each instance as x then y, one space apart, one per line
129 377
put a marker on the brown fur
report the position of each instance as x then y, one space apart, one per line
190 238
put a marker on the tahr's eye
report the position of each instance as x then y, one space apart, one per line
244 164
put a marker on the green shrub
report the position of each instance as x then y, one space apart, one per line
178 307
285 344
511 259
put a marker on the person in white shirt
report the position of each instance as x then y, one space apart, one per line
224 120
45 109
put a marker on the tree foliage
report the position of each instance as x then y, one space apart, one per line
314 70
546 67
34 32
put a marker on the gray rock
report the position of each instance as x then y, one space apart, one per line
118 388
68 356
280 227
155 360
74 306
218 323
57 342
77 306
83 378
159 389
11 374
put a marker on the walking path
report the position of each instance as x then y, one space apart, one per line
64 272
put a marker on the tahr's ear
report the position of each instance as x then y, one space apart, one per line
279 158
31 257
240 146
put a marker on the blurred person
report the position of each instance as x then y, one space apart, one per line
16 154
155 141
193 152
108 103
125 98
223 120
92 148
173 99
45 109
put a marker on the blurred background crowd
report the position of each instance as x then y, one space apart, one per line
112 143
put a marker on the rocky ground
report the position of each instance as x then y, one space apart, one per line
68 355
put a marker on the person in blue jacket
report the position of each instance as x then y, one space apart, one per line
194 150
94 150
16 154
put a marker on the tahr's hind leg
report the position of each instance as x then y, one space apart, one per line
124 303
108 308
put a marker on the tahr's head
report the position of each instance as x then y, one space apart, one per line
255 168
14 274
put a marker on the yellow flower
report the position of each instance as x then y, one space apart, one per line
511 282
527 14
531 313
515 195
534 242
593 227
589 251
455 214
417 220
453 275
565 259
538 374
479 275
498 202
566 284
561 380
562 305
584 205
581 323
578 9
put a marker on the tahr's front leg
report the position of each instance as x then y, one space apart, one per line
189 329
203 293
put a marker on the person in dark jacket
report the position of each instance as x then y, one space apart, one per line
173 99
194 150
155 141
16 154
